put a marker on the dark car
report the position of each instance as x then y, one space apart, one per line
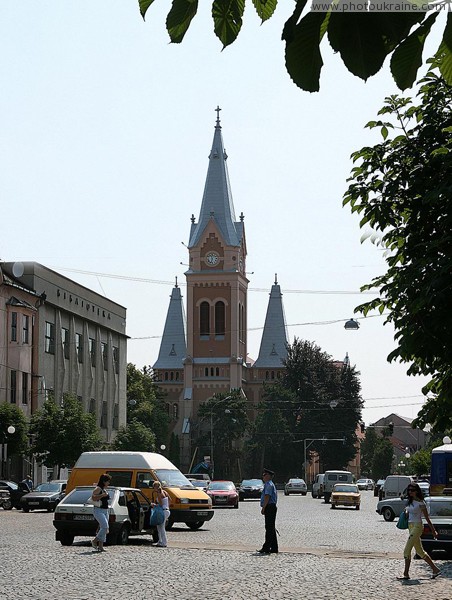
440 511
16 491
250 488
223 493
44 496
377 488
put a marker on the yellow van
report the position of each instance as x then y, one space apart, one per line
188 504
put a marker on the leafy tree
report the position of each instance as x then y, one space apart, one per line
11 415
228 422
402 187
382 459
135 437
146 403
62 433
368 447
420 462
174 450
363 40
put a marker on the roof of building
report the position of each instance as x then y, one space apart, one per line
273 349
173 346
217 201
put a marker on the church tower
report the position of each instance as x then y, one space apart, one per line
216 287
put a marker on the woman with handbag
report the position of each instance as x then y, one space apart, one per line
100 499
416 509
161 499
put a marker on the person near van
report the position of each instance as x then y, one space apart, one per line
28 482
416 509
101 513
162 498
269 499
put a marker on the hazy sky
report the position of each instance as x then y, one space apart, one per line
105 135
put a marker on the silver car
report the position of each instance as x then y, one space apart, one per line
295 486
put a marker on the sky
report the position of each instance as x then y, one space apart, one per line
104 143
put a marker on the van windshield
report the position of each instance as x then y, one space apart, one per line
172 478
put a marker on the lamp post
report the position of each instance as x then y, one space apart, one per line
10 430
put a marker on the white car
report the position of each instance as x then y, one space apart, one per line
129 514
365 484
295 486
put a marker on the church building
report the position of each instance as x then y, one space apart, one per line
204 349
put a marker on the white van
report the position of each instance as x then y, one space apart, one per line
395 485
317 486
333 477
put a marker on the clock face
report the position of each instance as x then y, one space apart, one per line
212 259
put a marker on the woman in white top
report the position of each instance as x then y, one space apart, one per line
162 498
416 509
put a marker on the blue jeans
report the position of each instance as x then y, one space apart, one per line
101 516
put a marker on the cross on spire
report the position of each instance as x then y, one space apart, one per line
217 110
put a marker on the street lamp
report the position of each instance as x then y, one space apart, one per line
10 430
351 325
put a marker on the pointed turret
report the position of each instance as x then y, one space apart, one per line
217 199
274 341
173 347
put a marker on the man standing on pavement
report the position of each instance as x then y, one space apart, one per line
269 498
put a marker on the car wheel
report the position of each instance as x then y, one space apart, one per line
195 525
388 514
327 498
304 493
333 506
286 493
169 524
25 509
357 507
313 495
66 539
50 509
7 505
123 536
237 505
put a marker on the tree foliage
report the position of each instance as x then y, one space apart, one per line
11 415
363 39
402 187
368 448
382 459
135 437
61 433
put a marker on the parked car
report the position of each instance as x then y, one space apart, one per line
250 488
395 485
223 493
330 480
377 487
129 514
317 486
16 491
425 487
202 484
45 495
345 494
365 484
440 511
295 486
5 499
390 508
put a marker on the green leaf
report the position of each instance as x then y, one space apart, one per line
227 17
384 132
441 150
179 18
144 5
444 52
407 57
265 8
289 26
303 59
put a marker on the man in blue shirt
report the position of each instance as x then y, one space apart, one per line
269 498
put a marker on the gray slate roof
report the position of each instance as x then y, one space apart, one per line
274 341
217 201
173 347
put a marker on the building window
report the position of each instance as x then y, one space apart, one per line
116 358
175 411
92 351
166 376
116 416
104 349
14 327
168 409
13 387
79 346
25 329
217 372
50 338
103 418
172 376
267 375
92 406
206 372
177 376
204 318
24 388
65 340
220 314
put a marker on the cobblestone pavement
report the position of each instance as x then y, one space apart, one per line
327 554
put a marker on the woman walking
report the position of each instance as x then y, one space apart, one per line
416 509
101 513
161 498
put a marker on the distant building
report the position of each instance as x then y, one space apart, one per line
403 438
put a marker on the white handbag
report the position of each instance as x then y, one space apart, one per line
96 503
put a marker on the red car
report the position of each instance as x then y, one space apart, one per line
223 493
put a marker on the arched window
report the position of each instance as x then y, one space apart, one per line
217 372
206 372
204 318
220 314
267 374
177 375
175 411
166 375
272 374
240 322
172 375
211 371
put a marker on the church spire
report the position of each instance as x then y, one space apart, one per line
274 341
217 201
173 347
